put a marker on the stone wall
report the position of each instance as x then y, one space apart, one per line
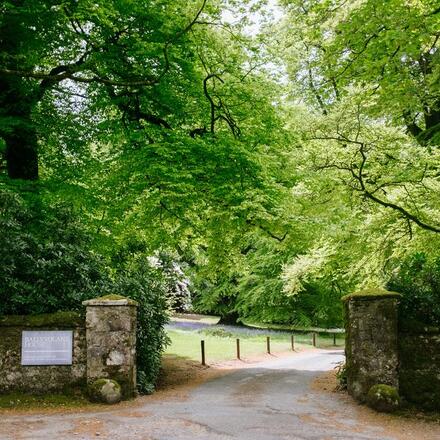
419 367
371 341
382 350
39 379
104 346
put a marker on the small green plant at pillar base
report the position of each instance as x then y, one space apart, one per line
341 376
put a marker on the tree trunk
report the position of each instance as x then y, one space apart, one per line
19 132
22 155
17 99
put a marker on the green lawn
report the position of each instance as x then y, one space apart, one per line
223 347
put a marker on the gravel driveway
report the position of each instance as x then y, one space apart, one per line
271 400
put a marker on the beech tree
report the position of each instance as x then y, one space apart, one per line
129 53
390 49
281 167
367 74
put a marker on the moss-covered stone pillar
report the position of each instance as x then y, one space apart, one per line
111 341
371 340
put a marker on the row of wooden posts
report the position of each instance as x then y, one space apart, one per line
292 344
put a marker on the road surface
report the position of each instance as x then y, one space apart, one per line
271 400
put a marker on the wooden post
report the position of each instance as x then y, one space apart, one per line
334 339
238 348
202 346
292 341
268 344
314 339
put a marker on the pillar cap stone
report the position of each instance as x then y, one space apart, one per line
371 294
110 300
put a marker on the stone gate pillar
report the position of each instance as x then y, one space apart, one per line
111 341
371 340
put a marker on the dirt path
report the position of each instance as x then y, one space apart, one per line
276 399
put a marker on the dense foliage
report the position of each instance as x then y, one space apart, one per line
418 281
368 73
47 264
268 166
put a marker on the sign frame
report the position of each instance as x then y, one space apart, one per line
46 347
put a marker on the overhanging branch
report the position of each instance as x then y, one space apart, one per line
357 173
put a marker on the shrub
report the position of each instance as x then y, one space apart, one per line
46 264
341 376
418 281
138 280
218 332
177 283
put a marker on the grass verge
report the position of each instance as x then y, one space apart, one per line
221 346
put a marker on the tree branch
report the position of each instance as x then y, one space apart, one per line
357 173
315 92
61 73
80 79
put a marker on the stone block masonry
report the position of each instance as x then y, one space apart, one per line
381 349
111 341
371 341
419 366
45 378
104 346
